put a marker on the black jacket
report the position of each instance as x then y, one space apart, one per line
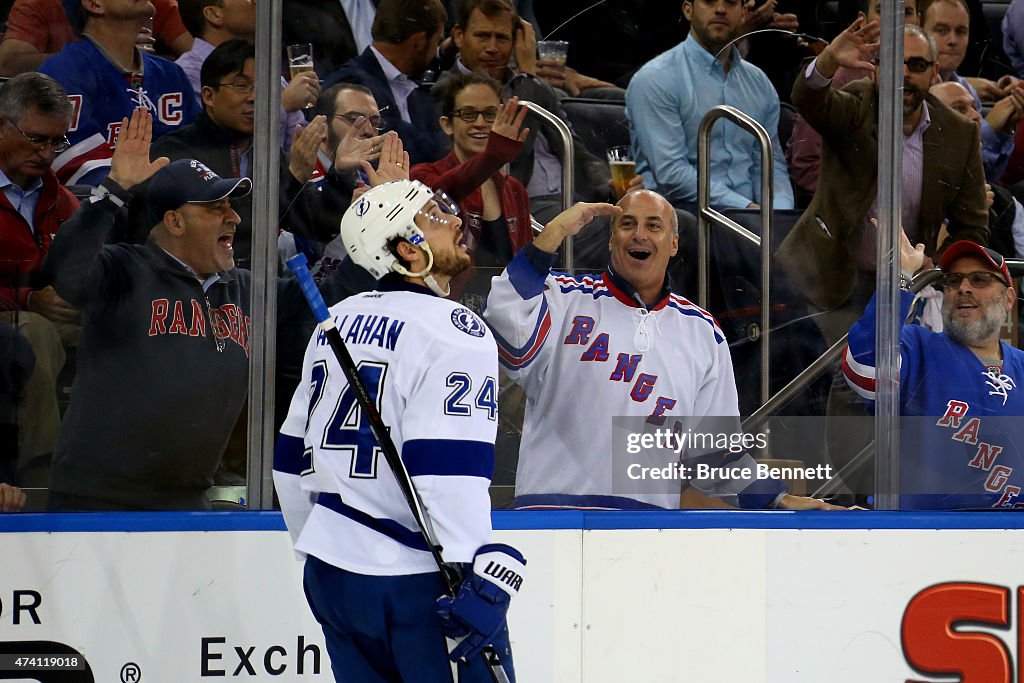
423 138
162 368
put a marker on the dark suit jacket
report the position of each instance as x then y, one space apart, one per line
323 24
819 254
591 174
423 138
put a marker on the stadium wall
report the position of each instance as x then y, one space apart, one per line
698 596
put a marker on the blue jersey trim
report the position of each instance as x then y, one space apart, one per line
513 520
584 288
760 494
387 527
528 270
288 453
714 329
87 522
448 458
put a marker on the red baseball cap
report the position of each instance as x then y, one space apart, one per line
968 248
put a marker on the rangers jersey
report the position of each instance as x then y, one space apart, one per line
102 93
961 436
586 350
432 367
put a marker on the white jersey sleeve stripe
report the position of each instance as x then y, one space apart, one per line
87 148
87 168
859 377
449 458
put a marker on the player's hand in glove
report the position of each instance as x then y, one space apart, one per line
477 613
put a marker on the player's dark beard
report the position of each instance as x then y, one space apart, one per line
450 263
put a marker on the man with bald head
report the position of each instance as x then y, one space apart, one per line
1005 213
589 347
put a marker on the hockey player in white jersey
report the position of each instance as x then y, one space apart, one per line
431 366
589 348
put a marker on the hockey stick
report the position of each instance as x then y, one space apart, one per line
449 572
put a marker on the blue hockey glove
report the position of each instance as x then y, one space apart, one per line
477 612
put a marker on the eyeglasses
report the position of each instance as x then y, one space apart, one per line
240 87
376 122
471 115
57 144
917 65
979 279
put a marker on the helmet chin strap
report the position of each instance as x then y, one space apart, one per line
428 279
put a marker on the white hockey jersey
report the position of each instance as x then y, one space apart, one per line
585 351
432 366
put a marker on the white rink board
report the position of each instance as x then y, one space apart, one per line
150 600
599 605
655 614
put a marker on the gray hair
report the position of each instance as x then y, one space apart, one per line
34 90
915 30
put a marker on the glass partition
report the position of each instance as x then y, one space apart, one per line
99 384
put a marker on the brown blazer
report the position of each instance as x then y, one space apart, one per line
819 254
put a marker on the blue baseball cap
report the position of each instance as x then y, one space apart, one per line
187 181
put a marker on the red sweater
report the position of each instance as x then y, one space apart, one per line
21 251
462 181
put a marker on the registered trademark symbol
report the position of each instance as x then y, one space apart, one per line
131 673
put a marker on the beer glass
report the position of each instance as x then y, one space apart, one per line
623 168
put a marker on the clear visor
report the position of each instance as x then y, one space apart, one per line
440 209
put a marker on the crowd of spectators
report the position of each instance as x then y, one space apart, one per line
432 90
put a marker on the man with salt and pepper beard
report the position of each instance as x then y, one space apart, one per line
964 376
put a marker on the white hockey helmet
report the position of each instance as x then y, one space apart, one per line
384 213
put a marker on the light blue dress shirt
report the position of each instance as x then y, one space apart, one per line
360 14
665 102
996 148
23 201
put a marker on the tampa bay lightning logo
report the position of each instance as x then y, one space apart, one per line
464 320
362 207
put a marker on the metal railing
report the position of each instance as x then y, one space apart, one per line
706 216
813 371
568 170
835 484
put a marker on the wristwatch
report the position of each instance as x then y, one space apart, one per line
108 189
905 283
